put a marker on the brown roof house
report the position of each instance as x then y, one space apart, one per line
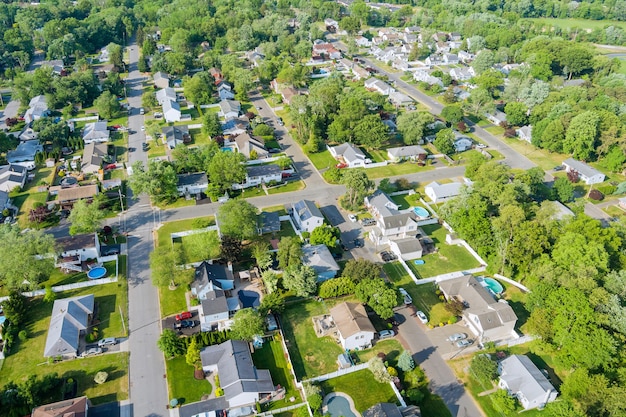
250 146
488 319
66 197
354 327
76 407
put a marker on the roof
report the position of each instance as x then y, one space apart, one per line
263 170
93 155
246 144
214 303
25 151
215 275
406 151
165 94
200 407
169 105
522 375
319 258
69 316
77 193
77 242
4 199
561 210
382 410
269 222
196 178
445 190
396 221
348 151
76 407
305 209
581 167
175 135
160 75
381 202
399 98
228 106
96 130
236 369
525 130
350 319
408 245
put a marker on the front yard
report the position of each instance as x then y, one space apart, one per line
361 386
181 383
163 235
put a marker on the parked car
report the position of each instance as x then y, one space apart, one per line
420 315
407 298
109 341
358 243
280 122
481 145
184 316
143 128
352 217
385 256
457 336
185 324
463 343
91 352
368 221
386 334
558 168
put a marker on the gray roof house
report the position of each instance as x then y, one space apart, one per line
349 154
269 222
496 117
391 410
192 183
586 173
70 318
176 135
242 382
321 260
260 174
391 224
212 285
248 145
523 380
407 248
525 133
161 79
96 132
93 157
306 215
12 177
402 153
25 152
442 192
171 111
37 108
229 108
165 94
211 276
488 319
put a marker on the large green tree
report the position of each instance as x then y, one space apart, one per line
378 295
238 219
581 135
226 169
289 252
85 217
158 180
107 105
247 323
164 266
371 132
199 88
358 185
301 279
412 125
25 257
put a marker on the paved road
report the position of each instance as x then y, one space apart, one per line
442 379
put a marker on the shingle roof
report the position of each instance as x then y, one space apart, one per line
214 303
319 258
76 407
408 245
445 190
382 410
175 135
96 131
305 209
406 151
228 106
217 275
196 178
382 204
165 94
581 167
77 193
69 316
350 319
522 375
349 152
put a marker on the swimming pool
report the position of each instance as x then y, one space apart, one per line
491 284
227 149
339 407
97 272
421 212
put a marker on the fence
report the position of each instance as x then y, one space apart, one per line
376 164
510 281
192 232
337 373
83 119
281 410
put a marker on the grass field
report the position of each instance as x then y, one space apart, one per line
361 386
271 356
322 160
180 226
390 347
401 168
181 383
287 187
26 199
173 301
576 23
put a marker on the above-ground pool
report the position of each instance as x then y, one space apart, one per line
421 212
97 272
491 284
227 149
2 320
339 407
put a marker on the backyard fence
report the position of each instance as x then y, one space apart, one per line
192 232
510 281
282 410
337 373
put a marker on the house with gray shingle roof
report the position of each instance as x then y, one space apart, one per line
403 153
523 380
96 132
165 94
321 260
306 215
349 154
69 320
171 111
391 224
353 325
585 172
242 382
442 192
229 109
212 286
161 79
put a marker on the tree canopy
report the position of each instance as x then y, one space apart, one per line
238 219
26 258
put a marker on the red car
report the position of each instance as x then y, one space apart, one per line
185 315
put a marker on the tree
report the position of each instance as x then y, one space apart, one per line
226 169
371 132
260 252
489 80
158 180
350 24
405 361
484 369
164 263
85 217
289 252
575 59
563 189
237 218
412 126
25 257
503 402
444 141
358 185
301 279
379 370
272 303
193 353
107 105
270 279
516 113
231 248
211 125
199 88
336 287
452 114
247 323
375 293
581 135
262 130
361 270
325 235
15 308
483 61
479 102
115 55
204 245
170 344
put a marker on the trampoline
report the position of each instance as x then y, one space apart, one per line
97 273
421 212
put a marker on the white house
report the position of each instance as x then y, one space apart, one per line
355 330
25 154
165 94
402 153
12 177
70 318
250 146
192 184
525 133
362 42
497 117
171 111
465 56
442 192
450 59
423 75
379 86
96 132
213 285
462 74
306 215
37 108
260 174
407 248
161 79
229 109
462 144
224 91
94 155
391 224
523 380
349 154
586 173
175 135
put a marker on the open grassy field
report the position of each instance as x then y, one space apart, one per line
287 187
361 386
181 383
163 235
401 168
26 199
322 160
173 301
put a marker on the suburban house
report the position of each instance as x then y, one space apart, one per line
37 108
161 79
407 248
213 285
321 260
224 91
360 73
25 153
561 211
497 117
442 192
306 215
77 249
462 74
349 154
354 328
165 94
525 133
392 410
586 173
229 109
362 42
96 132
94 156
57 66
192 184
331 25
66 197
171 111
423 75
269 222
28 134
488 319
399 99
234 127
176 135
252 147
462 144
76 407
242 382
325 50
69 320
374 84
260 174
450 59
403 153
391 224
12 177
523 380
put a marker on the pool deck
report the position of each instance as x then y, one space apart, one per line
339 394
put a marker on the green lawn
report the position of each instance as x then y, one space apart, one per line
390 347
544 159
400 168
406 201
447 258
180 202
180 226
57 277
27 357
361 386
181 383
173 301
322 160
191 242
271 356
26 199
310 356
287 188
576 23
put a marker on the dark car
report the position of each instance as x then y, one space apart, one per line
185 324
358 243
274 150
558 168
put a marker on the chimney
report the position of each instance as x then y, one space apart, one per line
230 266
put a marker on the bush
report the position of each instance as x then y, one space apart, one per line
315 401
200 223
392 371
606 189
336 287
378 369
405 361
22 335
415 396
101 377
596 195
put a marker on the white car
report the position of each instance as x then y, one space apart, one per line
463 343
109 341
143 128
386 334
420 315
457 336
91 352
352 217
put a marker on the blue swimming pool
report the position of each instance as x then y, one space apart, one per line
421 212
339 407
491 284
97 273
227 149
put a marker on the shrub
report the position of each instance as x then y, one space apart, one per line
596 195
200 223
415 395
315 401
101 377
392 371
403 184
405 361
377 367
22 335
452 320
606 189
336 287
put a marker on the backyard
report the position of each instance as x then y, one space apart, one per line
163 235
361 386
181 383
